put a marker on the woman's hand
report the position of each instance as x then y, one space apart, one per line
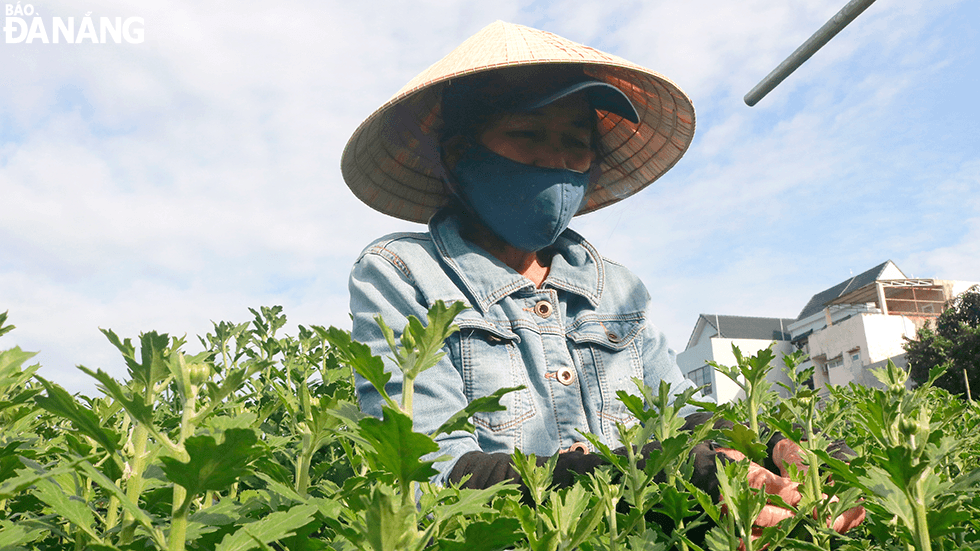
786 453
773 484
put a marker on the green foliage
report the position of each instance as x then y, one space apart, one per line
213 466
256 442
954 346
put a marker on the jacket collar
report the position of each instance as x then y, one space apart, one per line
576 267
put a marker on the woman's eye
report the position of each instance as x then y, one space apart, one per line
526 134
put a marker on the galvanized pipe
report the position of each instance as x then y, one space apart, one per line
807 49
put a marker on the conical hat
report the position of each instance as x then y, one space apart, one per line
392 161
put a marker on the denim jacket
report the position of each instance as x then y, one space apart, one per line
572 344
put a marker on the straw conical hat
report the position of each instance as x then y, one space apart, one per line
392 162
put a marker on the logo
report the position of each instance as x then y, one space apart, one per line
23 25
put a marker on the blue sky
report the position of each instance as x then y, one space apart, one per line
167 184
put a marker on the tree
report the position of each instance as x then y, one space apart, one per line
955 344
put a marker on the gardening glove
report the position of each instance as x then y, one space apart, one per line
487 469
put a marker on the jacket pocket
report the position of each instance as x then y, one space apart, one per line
490 361
609 349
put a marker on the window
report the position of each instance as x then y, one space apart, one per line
856 357
836 362
702 376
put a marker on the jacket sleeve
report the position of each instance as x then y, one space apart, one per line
660 364
382 285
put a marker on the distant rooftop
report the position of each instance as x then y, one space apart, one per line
745 327
885 270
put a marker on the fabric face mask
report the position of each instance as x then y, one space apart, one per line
526 206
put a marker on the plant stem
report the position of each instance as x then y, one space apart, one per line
408 392
611 515
753 406
921 528
134 485
303 462
182 501
177 537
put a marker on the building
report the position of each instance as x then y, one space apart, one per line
712 340
859 324
846 330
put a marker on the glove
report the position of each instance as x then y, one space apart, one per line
487 469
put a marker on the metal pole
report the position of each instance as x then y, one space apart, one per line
810 47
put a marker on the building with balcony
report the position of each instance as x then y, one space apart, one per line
846 330
862 322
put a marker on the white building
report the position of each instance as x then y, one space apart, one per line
862 322
846 330
712 340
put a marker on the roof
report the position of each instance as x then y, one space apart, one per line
744 327
821 299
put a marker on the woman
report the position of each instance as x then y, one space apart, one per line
496 147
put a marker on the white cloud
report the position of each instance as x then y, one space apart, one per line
183 180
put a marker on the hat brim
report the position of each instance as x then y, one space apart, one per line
601 96
392 160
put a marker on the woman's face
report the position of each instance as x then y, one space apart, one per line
558 135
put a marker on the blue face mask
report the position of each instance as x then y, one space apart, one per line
526 206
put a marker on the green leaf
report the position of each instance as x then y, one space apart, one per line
745 440
13 536
635 405
537 478
138 514
576 520
152 366
270 528
226 512
10 372
3 320
429 340
60 403
674 503
390 523
135 406
25 478
648 540
744 503
877 482
397 447
71 508
488 536
902 467
461 419
359 357
213 466
718 539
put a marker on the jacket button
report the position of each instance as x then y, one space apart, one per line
543 308
613 337
565 376
578 446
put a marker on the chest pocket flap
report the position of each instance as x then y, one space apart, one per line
613 334
469 320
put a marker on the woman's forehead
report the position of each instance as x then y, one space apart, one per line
574 110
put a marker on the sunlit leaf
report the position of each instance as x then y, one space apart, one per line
213 466
397 447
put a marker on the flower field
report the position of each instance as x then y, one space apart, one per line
256 442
